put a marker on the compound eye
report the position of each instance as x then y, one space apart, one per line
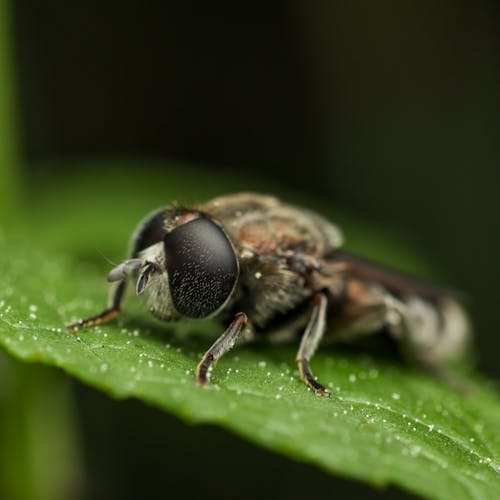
202 267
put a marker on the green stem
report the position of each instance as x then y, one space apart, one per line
39 457
9 133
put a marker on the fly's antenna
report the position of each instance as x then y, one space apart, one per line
109 261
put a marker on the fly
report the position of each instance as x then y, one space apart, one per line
253 261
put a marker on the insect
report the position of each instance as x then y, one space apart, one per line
257 263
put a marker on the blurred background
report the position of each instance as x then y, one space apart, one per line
389 111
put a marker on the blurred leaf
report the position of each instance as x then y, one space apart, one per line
385 423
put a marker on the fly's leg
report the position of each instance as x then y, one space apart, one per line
223 344
108 314
309 343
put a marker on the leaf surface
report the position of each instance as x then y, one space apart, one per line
385 422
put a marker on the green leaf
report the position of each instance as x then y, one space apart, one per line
385 422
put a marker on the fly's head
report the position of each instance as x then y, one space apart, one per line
190 272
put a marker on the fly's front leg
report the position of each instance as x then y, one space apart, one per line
223 344
309 343
108 314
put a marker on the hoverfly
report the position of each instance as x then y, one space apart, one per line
254 261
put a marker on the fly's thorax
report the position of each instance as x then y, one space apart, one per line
269 226
267 288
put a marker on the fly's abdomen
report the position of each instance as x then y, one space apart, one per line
437 330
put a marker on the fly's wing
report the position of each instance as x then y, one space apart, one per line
429 319
397 283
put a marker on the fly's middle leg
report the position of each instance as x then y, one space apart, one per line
309 343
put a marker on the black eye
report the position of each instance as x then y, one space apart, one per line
202 267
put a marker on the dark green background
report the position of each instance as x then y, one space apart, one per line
388 110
